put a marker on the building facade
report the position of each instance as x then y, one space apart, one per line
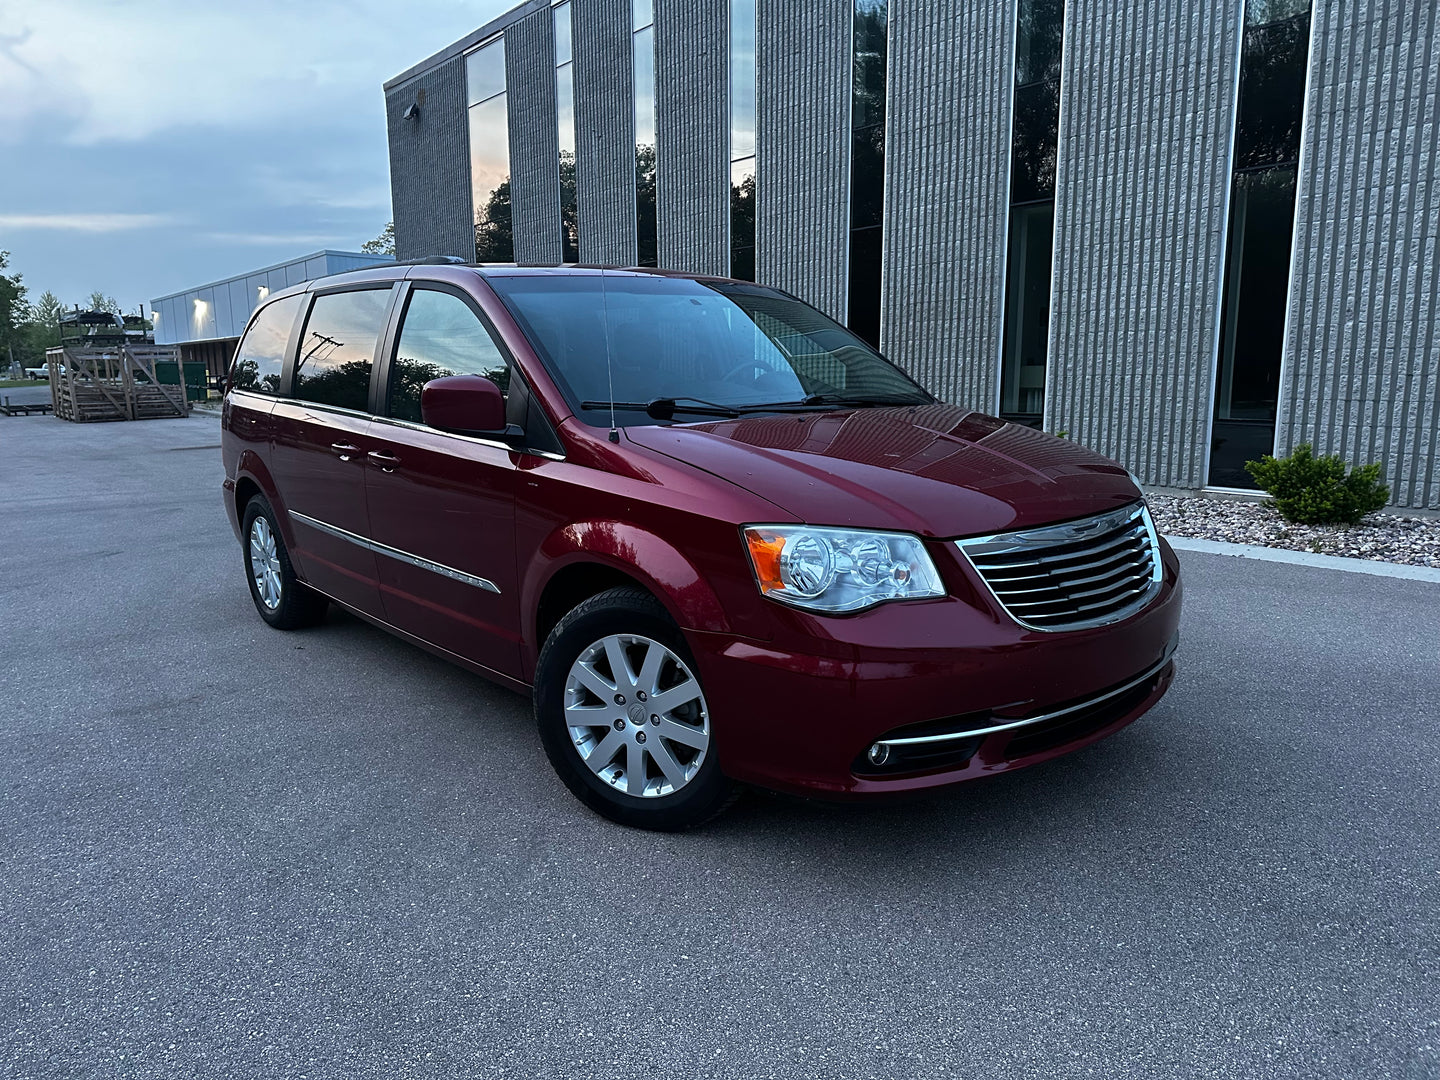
1184 232
207 321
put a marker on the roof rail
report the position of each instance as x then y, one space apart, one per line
428 260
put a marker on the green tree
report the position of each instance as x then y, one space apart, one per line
384 244
14 312
100 302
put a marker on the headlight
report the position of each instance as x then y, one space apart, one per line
835 570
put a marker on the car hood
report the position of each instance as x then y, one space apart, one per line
935 470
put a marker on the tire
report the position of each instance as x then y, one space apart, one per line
295 604
587 715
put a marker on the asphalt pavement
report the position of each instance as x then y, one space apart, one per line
227 851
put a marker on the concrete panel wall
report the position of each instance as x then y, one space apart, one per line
947 166
430 164
604 131
802 167
692 106
1361 374
1146 103
534 142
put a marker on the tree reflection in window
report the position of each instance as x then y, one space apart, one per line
441 336
338 348
647 243
494 237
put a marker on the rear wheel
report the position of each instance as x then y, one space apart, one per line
282 600
623 716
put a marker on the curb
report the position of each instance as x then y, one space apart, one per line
1306 558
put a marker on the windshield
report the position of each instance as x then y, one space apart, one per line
710 346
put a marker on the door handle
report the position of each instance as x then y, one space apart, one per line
344 450
387 462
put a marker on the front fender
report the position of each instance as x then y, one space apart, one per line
655 563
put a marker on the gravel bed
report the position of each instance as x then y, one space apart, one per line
1381 537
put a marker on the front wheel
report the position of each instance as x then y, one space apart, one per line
623 717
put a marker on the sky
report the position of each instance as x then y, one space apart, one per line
147 147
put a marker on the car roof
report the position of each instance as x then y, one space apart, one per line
442 271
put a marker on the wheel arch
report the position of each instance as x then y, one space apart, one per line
583 559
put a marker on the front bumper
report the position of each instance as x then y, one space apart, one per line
802 719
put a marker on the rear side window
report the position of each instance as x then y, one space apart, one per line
261 356
440 336
337 349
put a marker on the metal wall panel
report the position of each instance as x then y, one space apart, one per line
1146 106
430 164
692 106
604 131
534 141
802 168
1361 374
947 168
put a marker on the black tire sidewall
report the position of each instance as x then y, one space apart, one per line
620 611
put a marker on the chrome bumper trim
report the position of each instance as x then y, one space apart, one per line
396 553
953 736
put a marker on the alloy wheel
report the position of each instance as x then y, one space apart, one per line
265 563
636 715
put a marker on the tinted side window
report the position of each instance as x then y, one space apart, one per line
337 349
440 336
261 355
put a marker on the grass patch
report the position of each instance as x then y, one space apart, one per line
8 384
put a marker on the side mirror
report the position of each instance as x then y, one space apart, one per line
463 403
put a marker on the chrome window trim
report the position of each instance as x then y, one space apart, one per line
498 444
321 407
259 395
1067 532
396 553
1147 674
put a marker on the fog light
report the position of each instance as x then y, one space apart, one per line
879 754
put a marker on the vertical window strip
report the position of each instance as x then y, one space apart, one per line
646 225
867 164
1034 142
742 139
565 124
489 152
1274 62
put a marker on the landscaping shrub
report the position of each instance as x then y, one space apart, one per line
1312 490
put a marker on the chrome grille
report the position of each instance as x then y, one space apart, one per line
1072 576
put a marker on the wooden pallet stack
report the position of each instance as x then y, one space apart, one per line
90 383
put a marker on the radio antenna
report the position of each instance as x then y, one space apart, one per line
609 364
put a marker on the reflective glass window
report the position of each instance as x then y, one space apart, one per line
441 336
561 14
490 180
867 165
1272 84
485 72
337 349
1257 257
261 355
646 225
642 13
1027 312
742 79
1034 141
742 219
1039 30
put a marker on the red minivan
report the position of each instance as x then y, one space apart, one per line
720 538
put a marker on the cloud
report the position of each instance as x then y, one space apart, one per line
264 239
264 65
98 223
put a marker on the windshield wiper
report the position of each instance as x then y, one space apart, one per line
666 407
857 400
